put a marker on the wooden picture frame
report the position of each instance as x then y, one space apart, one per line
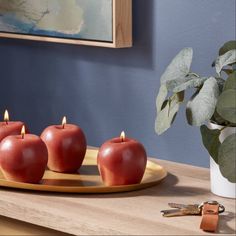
121 30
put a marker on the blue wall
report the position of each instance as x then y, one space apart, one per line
110 90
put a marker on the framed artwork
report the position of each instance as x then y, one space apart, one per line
105 23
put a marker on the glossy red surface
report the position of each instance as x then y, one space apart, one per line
12 128
23 159
66 147
122 163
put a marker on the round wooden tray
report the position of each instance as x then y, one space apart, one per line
87 180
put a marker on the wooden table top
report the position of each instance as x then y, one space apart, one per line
133 213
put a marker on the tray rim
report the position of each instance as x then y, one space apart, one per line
86 189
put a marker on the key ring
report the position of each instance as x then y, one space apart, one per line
221 207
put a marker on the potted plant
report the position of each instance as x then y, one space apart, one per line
212 107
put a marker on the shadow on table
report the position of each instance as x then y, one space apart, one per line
167 187
164 188
223 226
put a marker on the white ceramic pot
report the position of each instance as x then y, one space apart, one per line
219 184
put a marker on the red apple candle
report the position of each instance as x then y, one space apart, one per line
9 127
66 145
121 161
23 158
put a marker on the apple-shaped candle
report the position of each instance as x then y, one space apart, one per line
23 158
121 161
66 145
9 127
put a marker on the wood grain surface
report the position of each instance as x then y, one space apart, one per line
133 213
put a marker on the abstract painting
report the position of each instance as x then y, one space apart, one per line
69 19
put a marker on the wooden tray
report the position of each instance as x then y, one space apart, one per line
87 180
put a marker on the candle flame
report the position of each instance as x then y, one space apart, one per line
64 122
23 131
6 116
122 136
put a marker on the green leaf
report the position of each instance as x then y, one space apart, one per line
218 119
230 83
210 139
161 97
175 101
166 116
162 122
226 105
192 83
179 66
227 158
201 107
230 45
225 59
172 84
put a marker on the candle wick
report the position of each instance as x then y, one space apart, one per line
63 126
23 136
6 122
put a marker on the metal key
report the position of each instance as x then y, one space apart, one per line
181 210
